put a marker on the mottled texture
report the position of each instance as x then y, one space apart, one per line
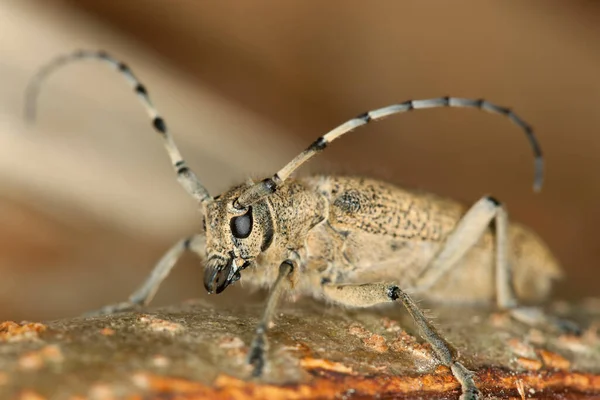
379 232
197 351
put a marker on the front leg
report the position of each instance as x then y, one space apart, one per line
144 294
256 355
372 294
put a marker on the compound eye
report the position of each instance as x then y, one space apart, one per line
242 226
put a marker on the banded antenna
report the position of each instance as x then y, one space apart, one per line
270 185
186 177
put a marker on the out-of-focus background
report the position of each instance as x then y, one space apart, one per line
88 201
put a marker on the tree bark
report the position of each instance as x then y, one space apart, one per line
197 350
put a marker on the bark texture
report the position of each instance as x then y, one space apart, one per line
197 350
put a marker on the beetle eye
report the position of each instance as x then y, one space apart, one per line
242 226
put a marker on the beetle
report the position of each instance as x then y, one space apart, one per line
351 240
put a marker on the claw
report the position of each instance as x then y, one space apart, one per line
566 326
256 357
257 361
111 309
533 316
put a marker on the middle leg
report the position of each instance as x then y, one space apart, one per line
371 294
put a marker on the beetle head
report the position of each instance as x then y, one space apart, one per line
234 238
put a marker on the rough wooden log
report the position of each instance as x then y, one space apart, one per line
197 351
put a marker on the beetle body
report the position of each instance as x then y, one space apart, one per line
348 229
353 241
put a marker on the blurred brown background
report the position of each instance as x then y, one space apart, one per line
88 201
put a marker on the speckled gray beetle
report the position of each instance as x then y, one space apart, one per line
353 241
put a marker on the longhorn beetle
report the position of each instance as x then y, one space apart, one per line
353 241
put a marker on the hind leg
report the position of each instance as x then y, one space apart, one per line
466 234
